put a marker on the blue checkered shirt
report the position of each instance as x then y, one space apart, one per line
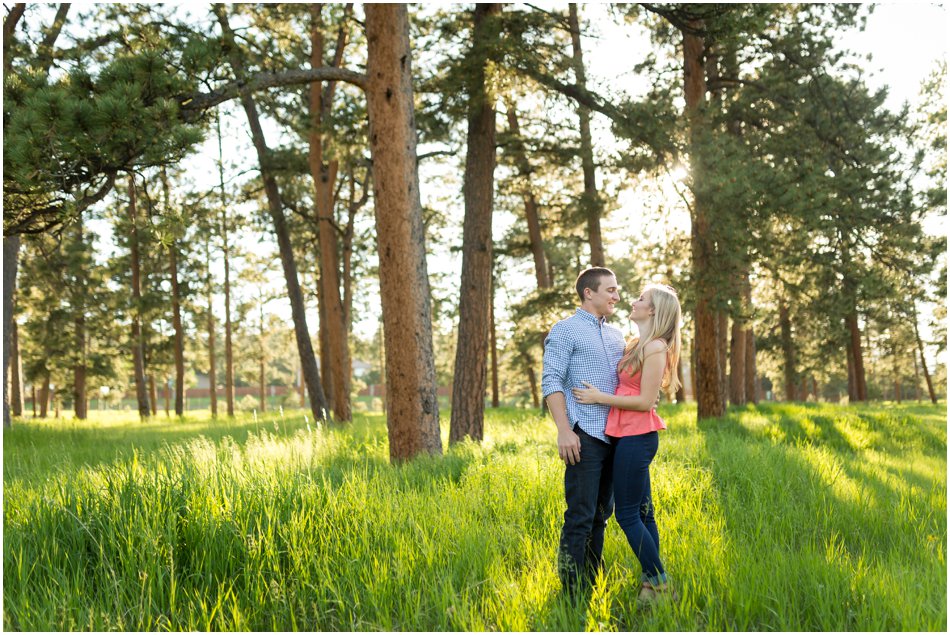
578 349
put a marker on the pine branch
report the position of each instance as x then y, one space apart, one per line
193 106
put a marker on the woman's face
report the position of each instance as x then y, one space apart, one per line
642 307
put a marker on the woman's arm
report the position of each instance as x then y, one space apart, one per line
652 375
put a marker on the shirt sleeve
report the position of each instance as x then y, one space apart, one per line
557 354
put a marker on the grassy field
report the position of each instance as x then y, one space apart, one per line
781 517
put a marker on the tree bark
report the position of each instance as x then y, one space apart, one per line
722 335
860 383
311 374
337 370
471 353
44 395
212 374
590 201
79 323
852 382
916 378
752 379
9 27
179 333
262 378
179 343
153 393
138 352
709 380
411 401
228 330
225 252
493 344
530 202
532 379
681 391
11 258
16 371
788 350
737 359
923 362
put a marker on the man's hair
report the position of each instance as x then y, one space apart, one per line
590 279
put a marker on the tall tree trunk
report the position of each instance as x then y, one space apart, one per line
530 202
212 374
262 379
852 381
44 395
923 362
179 342
916 378
33 397
788 350
709 380
751 373
737 359
590 201
228 328
179 333
471 353
411 400
167 392
861 391
323 335
11 257
493 344
16 372
311 374
138 352
337 369
353 207
79 324
722 335
11 243
681 391
532 379
153 393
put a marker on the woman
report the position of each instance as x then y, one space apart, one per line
649 363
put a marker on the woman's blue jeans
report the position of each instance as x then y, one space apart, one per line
634 502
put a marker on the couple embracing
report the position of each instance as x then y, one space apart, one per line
602 394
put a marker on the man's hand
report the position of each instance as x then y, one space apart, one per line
569 447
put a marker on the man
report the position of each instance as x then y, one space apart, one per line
584 348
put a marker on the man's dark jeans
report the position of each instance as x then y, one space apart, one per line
589 491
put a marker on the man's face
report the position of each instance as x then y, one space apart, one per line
601 302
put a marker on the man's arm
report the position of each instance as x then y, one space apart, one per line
557 355
568 443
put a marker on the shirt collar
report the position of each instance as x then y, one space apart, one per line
590 317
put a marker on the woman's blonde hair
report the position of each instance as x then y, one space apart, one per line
667 316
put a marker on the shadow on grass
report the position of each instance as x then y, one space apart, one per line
800 541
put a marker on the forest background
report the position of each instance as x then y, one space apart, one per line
163 213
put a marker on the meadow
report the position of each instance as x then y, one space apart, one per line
793 517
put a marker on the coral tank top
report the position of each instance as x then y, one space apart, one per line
628 423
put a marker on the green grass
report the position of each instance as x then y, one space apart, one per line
781 517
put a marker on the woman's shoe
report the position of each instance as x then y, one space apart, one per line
650 593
